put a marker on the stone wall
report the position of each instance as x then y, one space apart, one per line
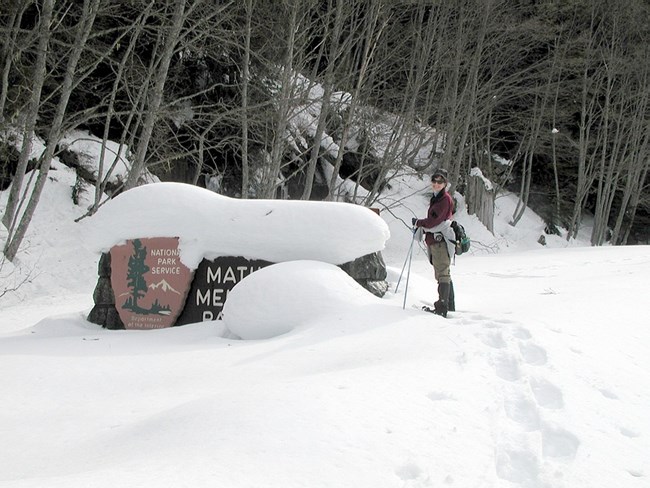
104 312
370 272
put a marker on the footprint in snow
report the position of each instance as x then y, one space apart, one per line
523 411
506 367
629 433
559 443
522 333
519 466
533 354
409 472
490 324
636 473
493 339
436 396
608 394
546 394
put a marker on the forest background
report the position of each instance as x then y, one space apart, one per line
298 98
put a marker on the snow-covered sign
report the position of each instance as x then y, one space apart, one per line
209 225
226 239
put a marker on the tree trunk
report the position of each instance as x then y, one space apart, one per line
9 48
372 33
245 180
399 142
44 34
101 182
162 69
83 31
637 169
538 115
328 88
282 121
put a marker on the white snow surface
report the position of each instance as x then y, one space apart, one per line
210 225
541 379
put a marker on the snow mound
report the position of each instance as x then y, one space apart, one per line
210 225
279 298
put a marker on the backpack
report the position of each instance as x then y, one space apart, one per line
462 241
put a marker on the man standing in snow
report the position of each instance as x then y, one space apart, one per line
439 237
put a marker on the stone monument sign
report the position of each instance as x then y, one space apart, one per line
149 282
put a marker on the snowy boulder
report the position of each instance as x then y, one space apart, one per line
81 150
210 225
279 298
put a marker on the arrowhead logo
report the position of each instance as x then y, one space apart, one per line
149 281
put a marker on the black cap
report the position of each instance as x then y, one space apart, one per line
439 173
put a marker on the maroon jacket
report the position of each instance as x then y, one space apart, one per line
441 208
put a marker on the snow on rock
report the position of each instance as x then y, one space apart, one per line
279 298
211 225
88 147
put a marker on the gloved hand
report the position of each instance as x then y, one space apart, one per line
414 221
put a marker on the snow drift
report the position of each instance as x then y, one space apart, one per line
211 225
257 306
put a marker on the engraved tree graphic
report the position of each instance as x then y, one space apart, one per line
135 276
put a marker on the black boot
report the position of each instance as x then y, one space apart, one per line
441 307
451 301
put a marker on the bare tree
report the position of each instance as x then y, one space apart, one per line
10 50
103 177
38 78
338 9
624 128
87 19
161 68
12 278
248 32
373 27
291 87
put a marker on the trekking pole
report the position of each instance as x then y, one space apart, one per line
407 260
408 275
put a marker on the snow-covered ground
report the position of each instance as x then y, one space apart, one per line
541 379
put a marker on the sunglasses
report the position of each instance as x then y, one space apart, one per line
438 180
